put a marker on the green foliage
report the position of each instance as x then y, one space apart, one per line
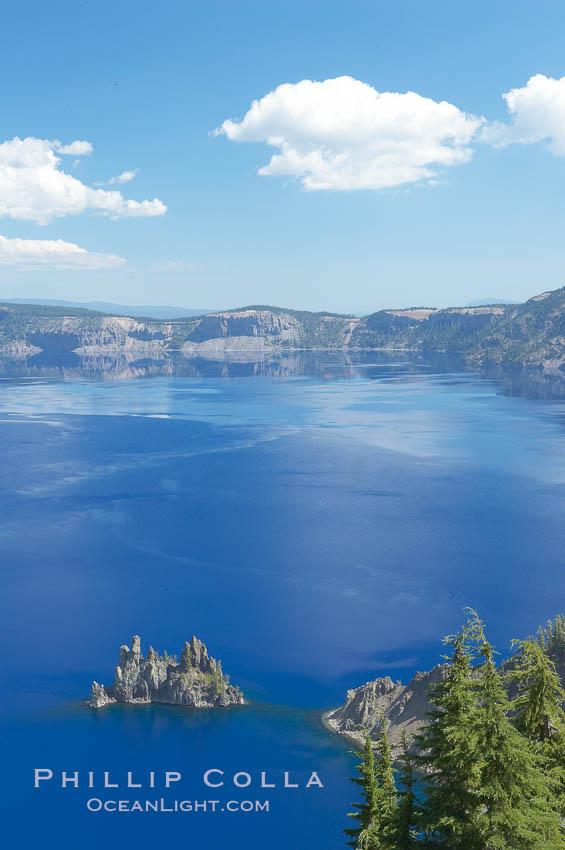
186 658
553 638
364 834
493 768
444 330
376 815
218 683
301 315
32 311
18 321
538 706
406 816
527 333
518 807
387 794
450 753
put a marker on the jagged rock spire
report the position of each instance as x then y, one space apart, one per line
161 679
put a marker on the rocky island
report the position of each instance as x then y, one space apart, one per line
197 680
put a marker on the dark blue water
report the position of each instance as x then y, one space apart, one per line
315 532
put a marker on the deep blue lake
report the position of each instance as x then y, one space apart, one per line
316 525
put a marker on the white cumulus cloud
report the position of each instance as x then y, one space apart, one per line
76 148
38 253
33 187
538 114
343 134
124 177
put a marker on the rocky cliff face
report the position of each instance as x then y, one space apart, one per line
91 334
404 707
65 334
196 681
248 324
530 335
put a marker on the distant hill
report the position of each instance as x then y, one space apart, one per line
108 307
488 336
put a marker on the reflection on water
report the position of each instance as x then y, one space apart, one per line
319 523
324 365
159 738
327 365
531 383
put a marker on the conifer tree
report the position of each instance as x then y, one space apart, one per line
553 636
364 836
538 705
406 816
494 769
538 708
517 799
186 658
450 754
386 790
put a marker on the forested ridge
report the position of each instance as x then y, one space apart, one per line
527 335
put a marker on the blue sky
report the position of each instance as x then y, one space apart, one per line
482 216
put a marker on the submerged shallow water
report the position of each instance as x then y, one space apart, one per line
316 527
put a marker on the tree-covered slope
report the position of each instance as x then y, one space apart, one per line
530 334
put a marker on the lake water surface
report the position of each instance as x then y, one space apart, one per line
316 525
